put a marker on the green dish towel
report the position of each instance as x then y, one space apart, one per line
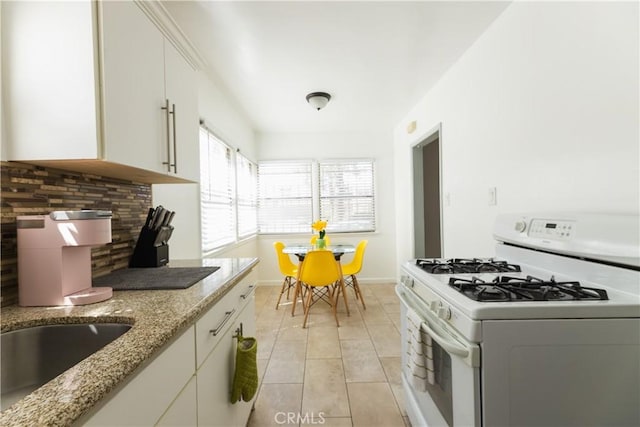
245 378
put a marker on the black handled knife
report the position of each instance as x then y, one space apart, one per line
147 222
168 218
156 220
160 220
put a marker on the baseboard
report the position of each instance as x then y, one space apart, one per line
362 280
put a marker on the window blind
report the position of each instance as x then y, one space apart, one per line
217 189
285 200
344 195
247 193
347 196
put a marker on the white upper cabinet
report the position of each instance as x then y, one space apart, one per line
85 84
181 92
48 78
132 52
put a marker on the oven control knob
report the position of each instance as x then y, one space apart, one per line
407 281
434 306
520 226
444 313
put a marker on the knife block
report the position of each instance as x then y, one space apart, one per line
147 252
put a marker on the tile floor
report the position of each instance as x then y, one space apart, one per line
328 375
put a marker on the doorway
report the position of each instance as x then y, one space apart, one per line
427 206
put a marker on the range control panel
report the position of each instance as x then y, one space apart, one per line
552 229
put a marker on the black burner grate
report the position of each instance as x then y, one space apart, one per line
466 265
507 288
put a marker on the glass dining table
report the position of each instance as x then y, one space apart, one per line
301 249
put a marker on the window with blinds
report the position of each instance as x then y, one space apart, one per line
216 192
292 194
285 201
346 195
247 192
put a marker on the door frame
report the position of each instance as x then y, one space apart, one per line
426 138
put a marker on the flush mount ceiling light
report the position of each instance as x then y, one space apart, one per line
318 100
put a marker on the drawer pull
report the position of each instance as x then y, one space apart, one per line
249 291
227 316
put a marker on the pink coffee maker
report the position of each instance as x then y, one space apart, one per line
54 257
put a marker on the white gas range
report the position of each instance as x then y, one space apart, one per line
546 333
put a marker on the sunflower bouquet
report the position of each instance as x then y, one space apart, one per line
320 226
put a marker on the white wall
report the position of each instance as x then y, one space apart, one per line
223 117
544 106
3 144
379 264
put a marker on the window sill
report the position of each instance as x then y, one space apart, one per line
215 252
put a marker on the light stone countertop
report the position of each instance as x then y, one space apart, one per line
157 316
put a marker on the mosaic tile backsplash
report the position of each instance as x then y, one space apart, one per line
35 190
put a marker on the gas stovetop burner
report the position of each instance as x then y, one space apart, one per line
506 288
463 265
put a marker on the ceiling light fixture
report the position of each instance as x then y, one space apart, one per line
318 100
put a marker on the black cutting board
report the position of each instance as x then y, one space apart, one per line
142 279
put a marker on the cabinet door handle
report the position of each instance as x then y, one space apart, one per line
175 141
227 316
250 289
167 112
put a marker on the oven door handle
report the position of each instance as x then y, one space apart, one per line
448 343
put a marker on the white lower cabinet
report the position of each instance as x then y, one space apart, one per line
144 399
215 377
248 320
183 411
189 383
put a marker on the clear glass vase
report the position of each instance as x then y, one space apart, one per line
321 244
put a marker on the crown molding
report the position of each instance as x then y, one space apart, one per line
159 15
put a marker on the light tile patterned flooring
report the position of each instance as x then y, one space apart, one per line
328 375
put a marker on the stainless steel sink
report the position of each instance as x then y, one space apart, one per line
33 356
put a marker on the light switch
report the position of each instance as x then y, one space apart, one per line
493 200
447 199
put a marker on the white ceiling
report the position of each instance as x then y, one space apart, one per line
375 58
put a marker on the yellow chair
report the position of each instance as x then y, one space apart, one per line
350 270
288 269
319 272
326 240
